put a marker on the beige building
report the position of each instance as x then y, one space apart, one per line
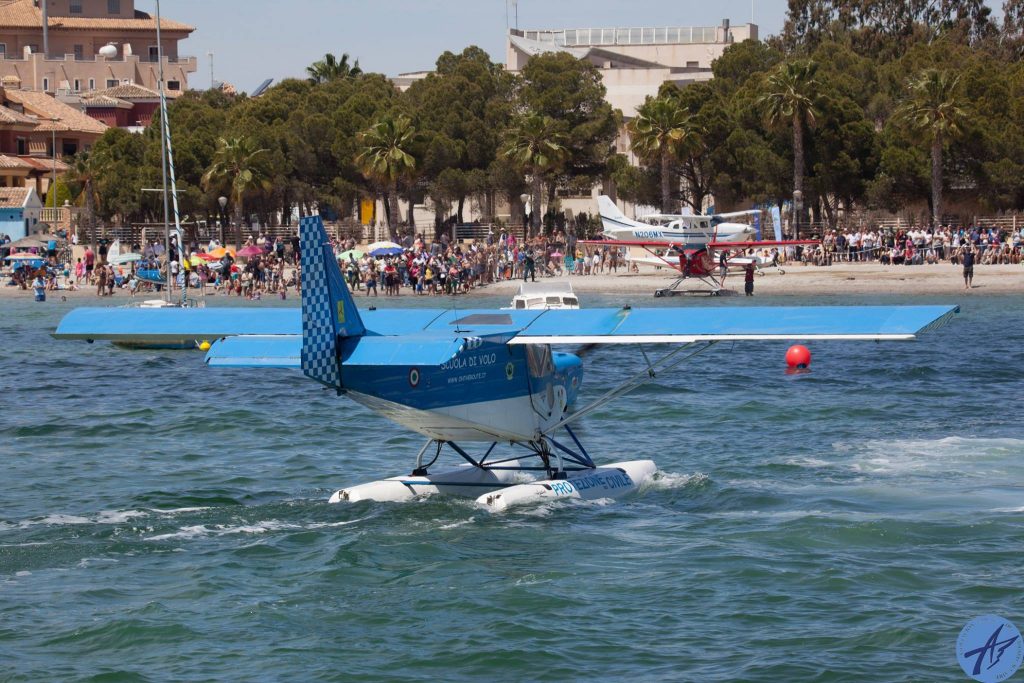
634 62
93 45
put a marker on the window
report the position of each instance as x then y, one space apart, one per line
154 53
174 85
78 51
92 84
113 6
112 83
75 7
3 49
22 146
78 85
46 85
69 148
692 65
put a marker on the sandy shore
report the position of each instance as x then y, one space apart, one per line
839 279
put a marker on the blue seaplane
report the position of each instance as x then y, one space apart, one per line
484 377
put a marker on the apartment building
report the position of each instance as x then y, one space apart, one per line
88 45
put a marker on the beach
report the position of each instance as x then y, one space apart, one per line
799 280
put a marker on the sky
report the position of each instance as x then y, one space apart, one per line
253 40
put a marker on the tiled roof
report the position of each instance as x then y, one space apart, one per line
24 14
46 107
94 100
8 115
44 164
129 91
14 196
10 162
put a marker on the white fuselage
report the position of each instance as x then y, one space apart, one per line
688 231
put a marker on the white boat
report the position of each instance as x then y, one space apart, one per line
534 296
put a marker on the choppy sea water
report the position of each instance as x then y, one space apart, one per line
164 521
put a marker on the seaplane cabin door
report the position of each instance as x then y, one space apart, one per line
548 400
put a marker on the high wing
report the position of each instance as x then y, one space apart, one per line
686 325
170 325
711 245
736 214
761 243
271 337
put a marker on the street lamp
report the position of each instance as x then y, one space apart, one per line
526 227
223 201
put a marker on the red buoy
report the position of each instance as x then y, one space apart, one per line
798 357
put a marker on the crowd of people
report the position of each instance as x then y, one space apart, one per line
270 266
918 246
443 267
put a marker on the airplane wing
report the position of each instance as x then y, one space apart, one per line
761 243
168 325
736 214
271 337
711 245
684 325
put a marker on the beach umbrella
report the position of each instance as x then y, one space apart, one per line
252 250
27 243
351 253
382 245
219 252
205 257
24 257
121 259
386 251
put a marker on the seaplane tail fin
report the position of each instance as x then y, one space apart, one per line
607 208
328 311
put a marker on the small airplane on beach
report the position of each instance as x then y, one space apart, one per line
688 231
484 376
691 244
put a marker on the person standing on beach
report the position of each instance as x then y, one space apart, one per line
101 281
723 267
529 269
748 279
967 258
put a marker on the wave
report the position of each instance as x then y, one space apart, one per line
667 481
261 527
956 454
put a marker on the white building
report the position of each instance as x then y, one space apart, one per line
633 62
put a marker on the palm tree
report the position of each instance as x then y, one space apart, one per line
386 157
661 127
535 144
84 171
330 68
790 99
235 164
933 109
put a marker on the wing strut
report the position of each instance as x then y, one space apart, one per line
636 380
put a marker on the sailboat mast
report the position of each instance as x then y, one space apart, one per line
163 152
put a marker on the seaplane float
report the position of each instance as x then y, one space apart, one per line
471 380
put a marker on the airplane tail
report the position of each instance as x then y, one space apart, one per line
328 311
607 208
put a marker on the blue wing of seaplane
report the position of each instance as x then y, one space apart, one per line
479 375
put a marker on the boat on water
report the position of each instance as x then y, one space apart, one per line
534 296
